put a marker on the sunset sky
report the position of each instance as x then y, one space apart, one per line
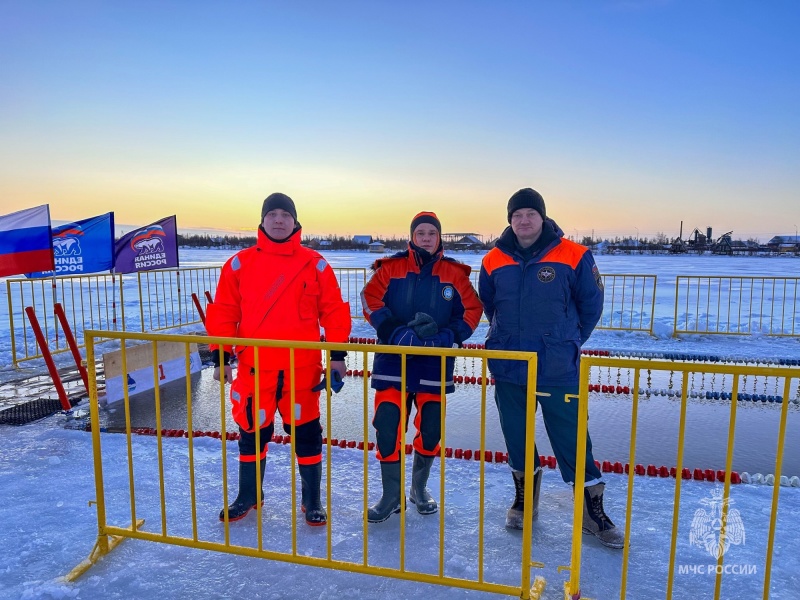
628 116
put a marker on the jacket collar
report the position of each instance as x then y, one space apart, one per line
288 246
550 237
413 257
421 257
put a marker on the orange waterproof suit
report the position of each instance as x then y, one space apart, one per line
278 291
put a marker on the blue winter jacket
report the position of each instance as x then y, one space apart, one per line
548 304
403 285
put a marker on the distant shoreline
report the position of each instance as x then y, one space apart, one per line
595 250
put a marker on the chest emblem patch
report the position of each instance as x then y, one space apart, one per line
447 292
546 274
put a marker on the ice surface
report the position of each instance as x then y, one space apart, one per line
46 483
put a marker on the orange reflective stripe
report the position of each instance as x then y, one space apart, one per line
567 253
495 259
309 460
248 458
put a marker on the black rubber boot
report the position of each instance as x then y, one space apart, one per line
419 478
389 504
515 513
311 476
246 500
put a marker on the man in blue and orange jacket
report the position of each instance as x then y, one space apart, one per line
544 294
278 290
421 298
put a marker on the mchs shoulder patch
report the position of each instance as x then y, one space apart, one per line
597 277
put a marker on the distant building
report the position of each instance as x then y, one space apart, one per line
463 241
784 243
469 242
744 247
362 240
377 247
456 237
325 244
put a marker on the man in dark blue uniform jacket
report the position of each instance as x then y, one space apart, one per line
544 294
415 298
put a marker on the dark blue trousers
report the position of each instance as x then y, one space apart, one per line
560 421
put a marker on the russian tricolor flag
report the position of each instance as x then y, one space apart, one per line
26 243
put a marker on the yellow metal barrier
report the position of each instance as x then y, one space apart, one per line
737 305
739 375
351 281
629 303
96 302
165 296
109 535
89 301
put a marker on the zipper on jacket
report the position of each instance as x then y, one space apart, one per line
412 291
434 296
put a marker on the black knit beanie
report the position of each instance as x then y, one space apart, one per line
526 198
426 217
278 200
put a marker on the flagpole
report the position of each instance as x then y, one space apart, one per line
55 300
114 297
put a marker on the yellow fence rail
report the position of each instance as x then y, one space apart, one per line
165 296
737 305
221 538
629 303
664 568
703 304
89 302
351 281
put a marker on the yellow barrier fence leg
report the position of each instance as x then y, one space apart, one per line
103 545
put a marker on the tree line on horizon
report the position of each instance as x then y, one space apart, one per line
337 242
340 242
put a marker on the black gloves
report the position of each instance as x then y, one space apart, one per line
423 325
215 358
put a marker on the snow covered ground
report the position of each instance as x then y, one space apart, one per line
46 482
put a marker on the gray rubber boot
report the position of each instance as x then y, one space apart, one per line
516 512
419 478
389 504
246 499
595 520
311 476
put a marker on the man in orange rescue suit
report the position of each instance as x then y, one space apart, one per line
421 298
278 290
543 294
